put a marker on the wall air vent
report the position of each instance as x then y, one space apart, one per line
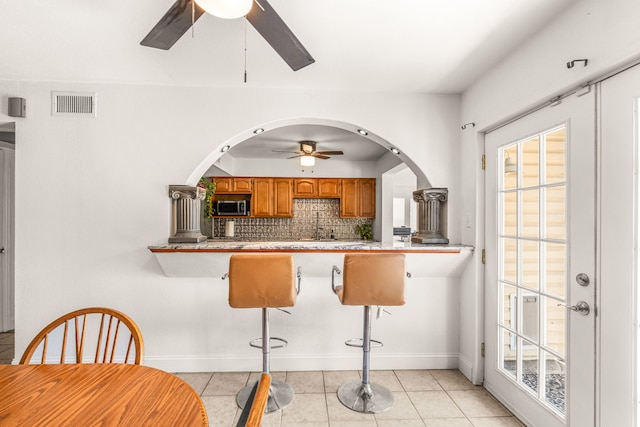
73 104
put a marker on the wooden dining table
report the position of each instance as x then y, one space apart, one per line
96 395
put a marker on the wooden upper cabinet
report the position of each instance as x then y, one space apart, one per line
272 197
367 198
233 185
349 198
358 198
316 187
282 197
223 185
328 187
305 187
242 185
262 198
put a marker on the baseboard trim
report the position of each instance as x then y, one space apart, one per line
338 362
465 367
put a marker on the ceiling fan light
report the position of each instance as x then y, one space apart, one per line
307 161
307 147
226 9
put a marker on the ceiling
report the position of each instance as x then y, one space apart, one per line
355 147
361 45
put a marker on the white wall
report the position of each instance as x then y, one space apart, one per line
290 168
423 333
605 32
91 194
404 184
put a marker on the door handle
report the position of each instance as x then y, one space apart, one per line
1 250
580 307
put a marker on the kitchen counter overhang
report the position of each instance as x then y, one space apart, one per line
211 258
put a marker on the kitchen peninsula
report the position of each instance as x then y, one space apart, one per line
173 257
422 334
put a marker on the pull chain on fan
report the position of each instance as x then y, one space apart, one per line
245 49
193 19
184 13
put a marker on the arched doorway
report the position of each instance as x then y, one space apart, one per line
268 150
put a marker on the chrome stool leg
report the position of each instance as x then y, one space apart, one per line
280 393
363 396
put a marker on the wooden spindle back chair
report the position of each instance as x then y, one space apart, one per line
253 411
114 335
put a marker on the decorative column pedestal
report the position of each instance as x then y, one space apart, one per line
430 207
186 213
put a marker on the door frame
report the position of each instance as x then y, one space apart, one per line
572 295
7 229
618 234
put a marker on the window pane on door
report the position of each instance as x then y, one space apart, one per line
531 162
554 381
554 324
555 269
509 306
508 353
509 260
530 213
534 264
530 311
530 264
511 166
555 155
530 374
510 214
555 215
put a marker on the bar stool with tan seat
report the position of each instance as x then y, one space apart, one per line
264 281
369 279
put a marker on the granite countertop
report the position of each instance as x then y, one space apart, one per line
218 245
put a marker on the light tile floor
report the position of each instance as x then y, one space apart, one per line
423 398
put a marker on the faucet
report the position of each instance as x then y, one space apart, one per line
318 228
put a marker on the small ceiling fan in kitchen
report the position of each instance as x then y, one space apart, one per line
308 153
183 14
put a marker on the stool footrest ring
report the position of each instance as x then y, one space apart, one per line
357 342
283 342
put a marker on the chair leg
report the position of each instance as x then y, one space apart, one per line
280 393
266 341
366 344
363 396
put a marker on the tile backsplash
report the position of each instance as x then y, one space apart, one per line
310 216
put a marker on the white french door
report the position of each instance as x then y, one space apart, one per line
540 257
619 108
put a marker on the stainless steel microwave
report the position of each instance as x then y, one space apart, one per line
232 208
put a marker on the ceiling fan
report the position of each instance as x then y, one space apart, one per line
181 16
308 150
